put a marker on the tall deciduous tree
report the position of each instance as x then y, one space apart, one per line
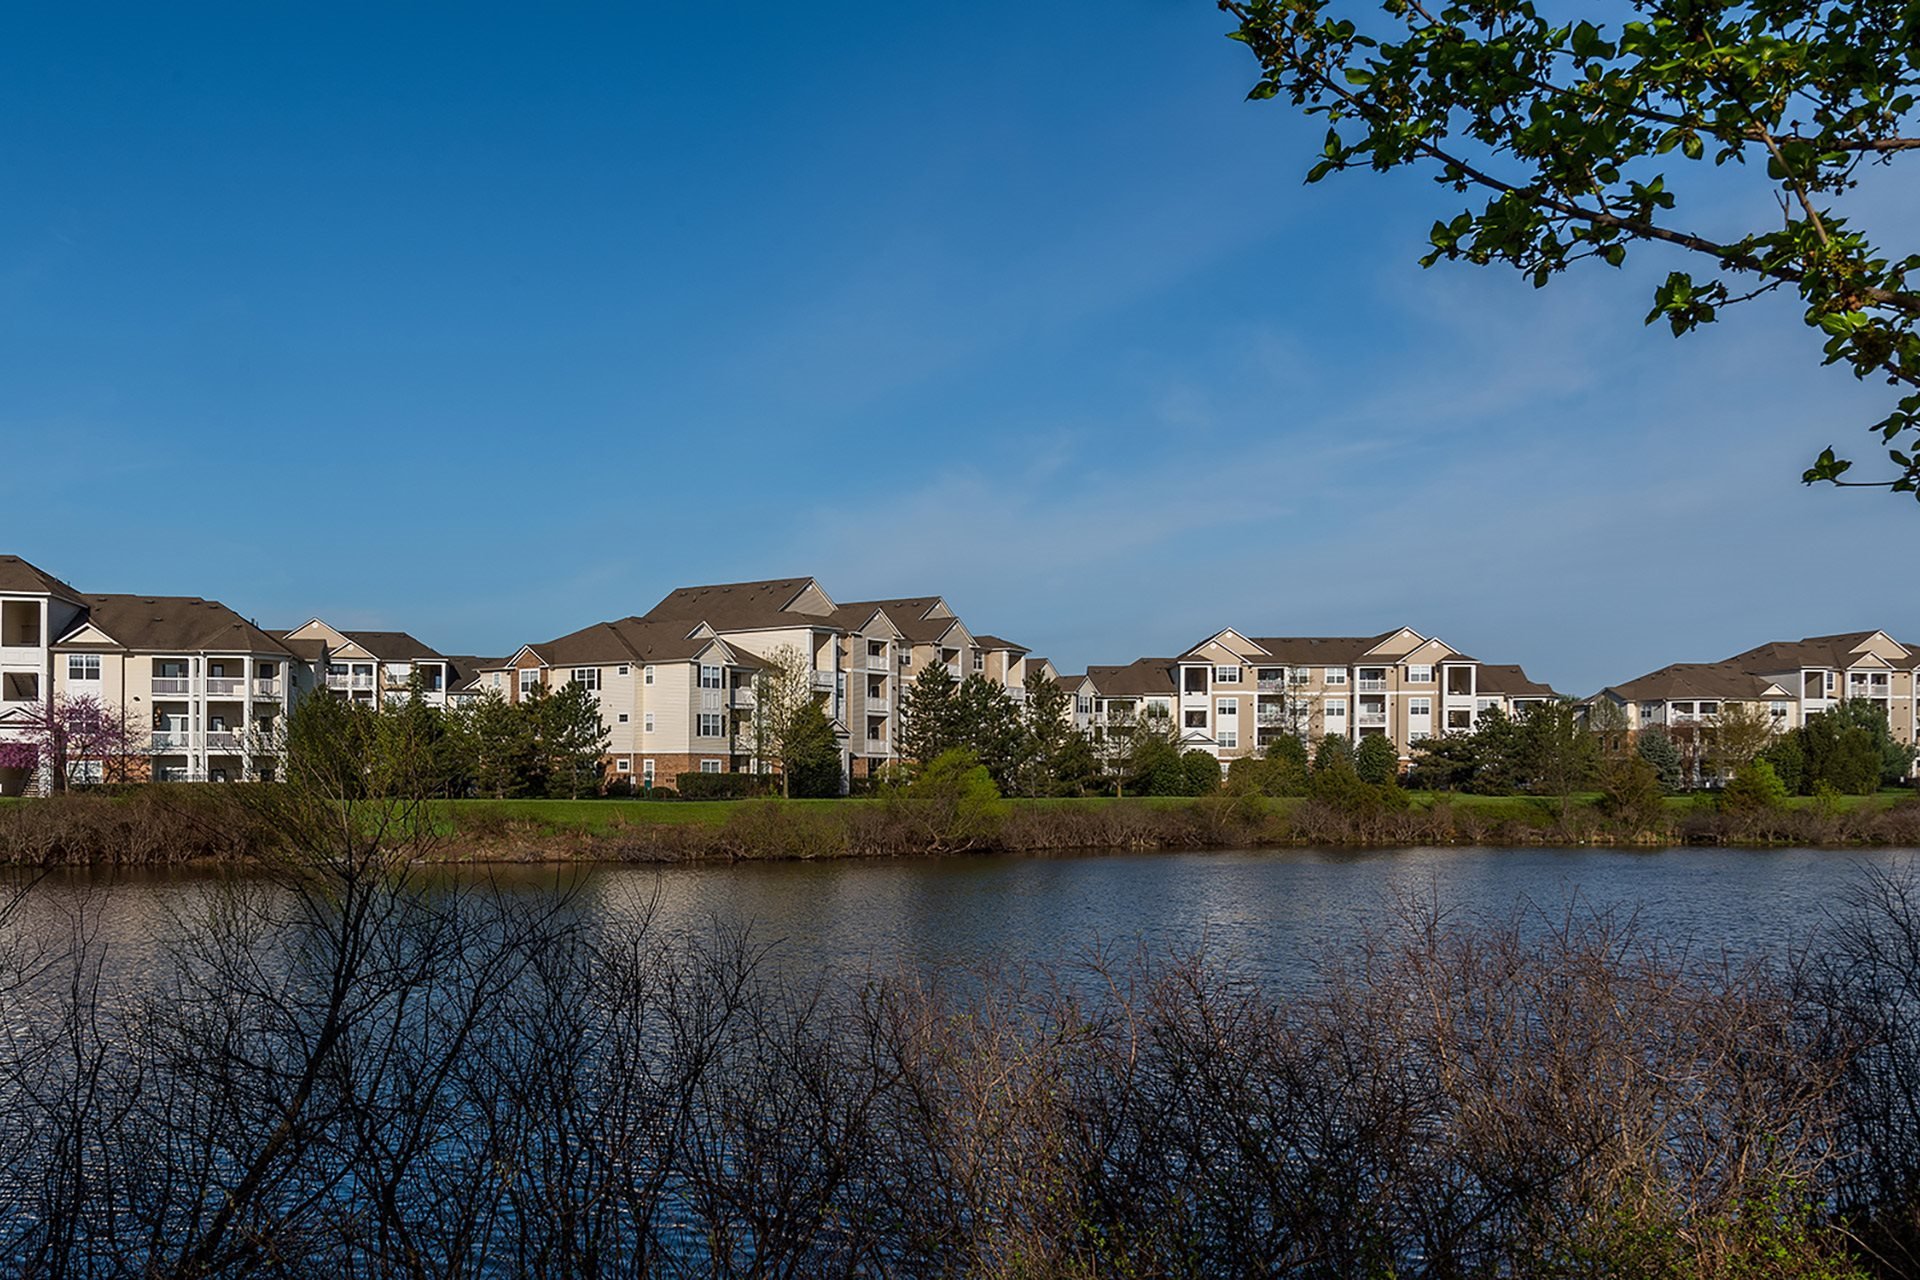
1577 139
782 685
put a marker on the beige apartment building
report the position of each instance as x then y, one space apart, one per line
363 666
1791 680
1232 695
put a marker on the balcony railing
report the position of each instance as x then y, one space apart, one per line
223 740
1271 686
341 680
823 680
1371 719
172 686
1372 686
168 740
266 688
744 696
223 686
1269 716
879 662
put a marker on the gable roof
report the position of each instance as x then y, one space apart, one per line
633 640
18 575
1140 678
1689 680
1836 651
744 606
391 646
996 643
180 623
1315 651
1509 679
921 619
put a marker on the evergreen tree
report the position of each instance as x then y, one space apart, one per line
1334 752
1076 768
1378 760
987 723
1200 773
501 754
572 740
1656 748
1045 731
812 760
930 715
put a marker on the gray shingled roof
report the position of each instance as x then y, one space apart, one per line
1508 678
1690 680
627 640
1140 678
738 606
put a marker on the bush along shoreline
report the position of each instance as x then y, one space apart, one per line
947 812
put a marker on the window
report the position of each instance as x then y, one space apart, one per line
1226 675
646 772
83 666
1419 675
1227 707
1417 735
1831 681
712 766
647 722
85 771
1336 711
1419 706
876 648
1709 708
712 725
624 718
1459 719
1778 710
1229 739
267 671
1270 675
587 677
709 677
625 670
218 670
876 691
1196 719
529 681
979 660
906 658
623 766
646 676
1335 675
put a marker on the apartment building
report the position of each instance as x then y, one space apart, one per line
208 690
363 666
35 609
1232 695
673 699
1791 679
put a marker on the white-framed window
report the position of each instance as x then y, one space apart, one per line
1778 710
625 670
646 675
1334 675
1417 735
709 676
1459 718
85 771
1832 681
1420 675
647 722
1229 739
1709 708
979 660
1419 706
1227 708
906 658
1083 706
1336 711
83 666
529 680
713 766
587 676
623 766
624 717
646 772
712 725
1196 719
1226 675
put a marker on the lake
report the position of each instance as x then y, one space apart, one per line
1267 912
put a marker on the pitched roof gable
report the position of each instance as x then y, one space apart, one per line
172 623
23 578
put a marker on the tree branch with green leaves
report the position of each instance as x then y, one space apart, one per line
1568 131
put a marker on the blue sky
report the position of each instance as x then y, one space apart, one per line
486 322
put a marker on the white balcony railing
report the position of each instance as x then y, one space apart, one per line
744 696
1371 719
1271 686
879 662
223 687
823 680
266 688
172 686
223 740
1372 686
1270 717
168 740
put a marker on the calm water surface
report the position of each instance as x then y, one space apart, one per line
1268 912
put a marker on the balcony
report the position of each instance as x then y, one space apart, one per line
164 741
341 680
1371 720
1372 686
267 689
223 740
878 747
1270 717
823 680
879 662
19 655
744 696
1271 686
172 686
223 687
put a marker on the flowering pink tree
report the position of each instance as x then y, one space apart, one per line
64 731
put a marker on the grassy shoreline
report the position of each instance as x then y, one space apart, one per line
176 825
